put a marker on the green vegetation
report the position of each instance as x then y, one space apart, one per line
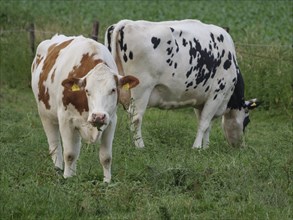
167 179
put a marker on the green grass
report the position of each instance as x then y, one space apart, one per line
167 179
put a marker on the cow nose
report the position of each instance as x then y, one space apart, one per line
98 119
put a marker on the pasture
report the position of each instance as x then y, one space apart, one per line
167 179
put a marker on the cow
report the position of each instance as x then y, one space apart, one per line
181 64
76 85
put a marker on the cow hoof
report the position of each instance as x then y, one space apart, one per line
139 144
197 147
58 170
107 180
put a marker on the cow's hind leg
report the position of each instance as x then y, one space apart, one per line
53 137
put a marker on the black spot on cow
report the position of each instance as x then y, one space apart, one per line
184 42
217 90
222 86
172 55
220 38
177 46
123 47
207 88
169 50
212 36
237 99
189 84
175 65
171 62
172 29
180 34
192 52
155 42
168 61
130 55
227 64
215 96
125 58
109 34
189 72
169 42
223 53
229 56
173 74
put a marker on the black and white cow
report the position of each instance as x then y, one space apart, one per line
179 64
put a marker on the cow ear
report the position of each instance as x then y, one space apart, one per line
252 104
74 84
128 82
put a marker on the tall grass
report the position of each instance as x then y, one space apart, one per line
167 179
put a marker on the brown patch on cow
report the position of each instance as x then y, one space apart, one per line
87 63
49 62
39 59
36 62
53 76
33 67
124 94
78 98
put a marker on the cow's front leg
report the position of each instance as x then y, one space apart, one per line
137 108
71 148
135 127
202 127
53 137
206 137
205 117
105 152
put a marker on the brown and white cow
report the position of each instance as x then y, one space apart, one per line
180 64
76 86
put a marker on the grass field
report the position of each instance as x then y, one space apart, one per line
167 179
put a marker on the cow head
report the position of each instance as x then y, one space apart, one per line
235 121
101 86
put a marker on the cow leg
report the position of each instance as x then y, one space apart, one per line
105 152
53 137
71 148
136 112
210 109
206 134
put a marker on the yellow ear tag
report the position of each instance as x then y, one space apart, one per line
253 104
126 86
75 88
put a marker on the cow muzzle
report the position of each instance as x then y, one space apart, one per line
98 119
